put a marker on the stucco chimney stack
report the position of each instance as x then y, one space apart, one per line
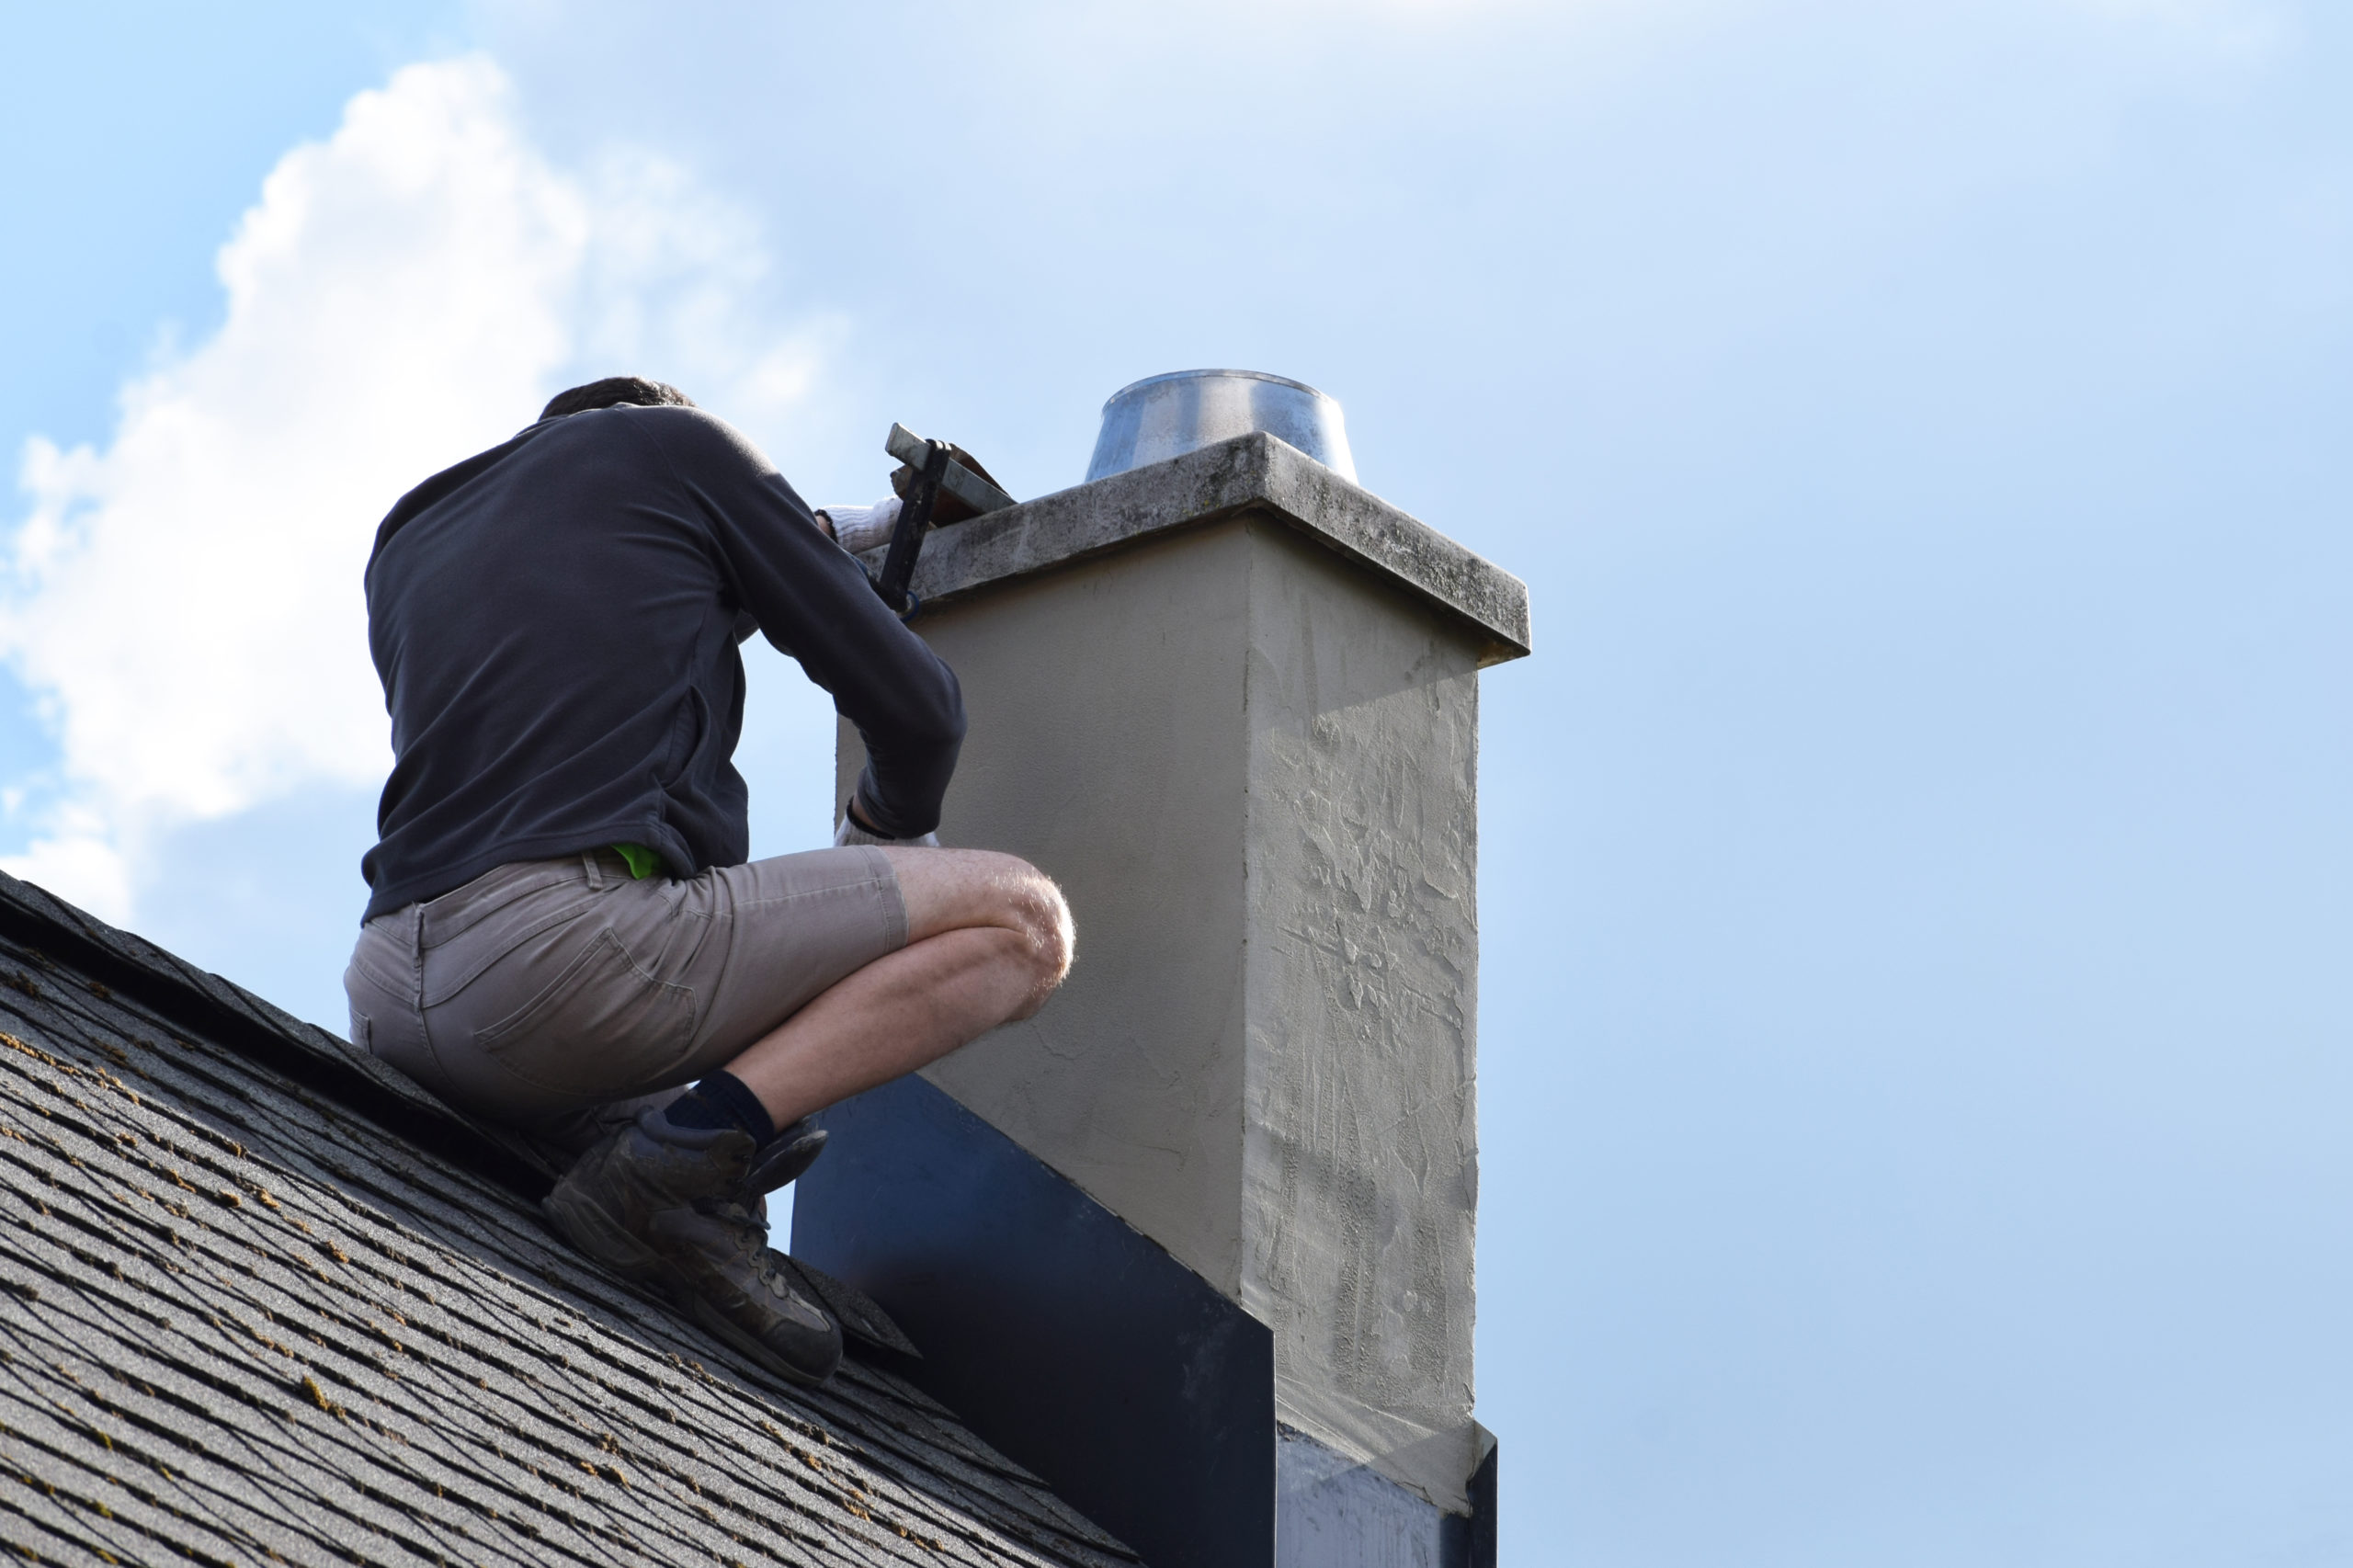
1195 1244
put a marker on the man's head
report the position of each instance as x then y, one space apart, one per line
611 391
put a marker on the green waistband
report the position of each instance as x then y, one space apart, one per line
642 862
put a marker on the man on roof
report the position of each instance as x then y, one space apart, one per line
564 926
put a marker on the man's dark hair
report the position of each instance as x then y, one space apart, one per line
613 390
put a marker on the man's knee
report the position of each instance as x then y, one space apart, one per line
1042 916
948 889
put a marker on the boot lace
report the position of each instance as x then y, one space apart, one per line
745 1217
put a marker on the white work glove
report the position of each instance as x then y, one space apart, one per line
849 833
860 529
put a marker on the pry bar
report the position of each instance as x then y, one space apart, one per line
958 481
914 521
936 469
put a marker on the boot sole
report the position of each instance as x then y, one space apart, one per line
706 1314
595 1232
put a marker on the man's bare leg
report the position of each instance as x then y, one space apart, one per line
988 940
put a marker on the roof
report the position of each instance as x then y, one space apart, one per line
267 1302
1255 473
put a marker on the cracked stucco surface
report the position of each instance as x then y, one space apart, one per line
1360 1165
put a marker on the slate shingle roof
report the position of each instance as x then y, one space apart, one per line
263 1301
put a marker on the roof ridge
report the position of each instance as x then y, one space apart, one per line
227 1013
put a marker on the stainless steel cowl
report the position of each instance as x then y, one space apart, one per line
1165 416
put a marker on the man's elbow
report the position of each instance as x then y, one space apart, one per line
940 727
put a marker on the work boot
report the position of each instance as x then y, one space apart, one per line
674 1206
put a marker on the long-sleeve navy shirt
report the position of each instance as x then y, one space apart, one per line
555 622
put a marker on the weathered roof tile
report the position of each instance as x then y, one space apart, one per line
263 1301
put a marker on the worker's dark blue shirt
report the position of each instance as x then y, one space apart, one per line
555 622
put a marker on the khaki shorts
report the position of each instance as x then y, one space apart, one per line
553 994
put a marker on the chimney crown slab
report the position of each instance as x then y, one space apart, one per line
1259 470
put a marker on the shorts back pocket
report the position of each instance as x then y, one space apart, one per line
603 1029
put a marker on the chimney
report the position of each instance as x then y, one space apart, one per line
1195 1244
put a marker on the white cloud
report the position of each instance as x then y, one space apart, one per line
185 604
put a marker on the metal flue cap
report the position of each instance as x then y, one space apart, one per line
1166 416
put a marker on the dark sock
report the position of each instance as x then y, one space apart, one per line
721 1100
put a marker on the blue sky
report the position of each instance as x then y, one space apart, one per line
1914 1033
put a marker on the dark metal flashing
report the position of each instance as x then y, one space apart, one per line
246 1317
1482 1509
1068 1338
1333 1512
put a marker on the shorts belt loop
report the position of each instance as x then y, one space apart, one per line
596 872
416 951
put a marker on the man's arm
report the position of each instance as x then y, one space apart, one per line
812 602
